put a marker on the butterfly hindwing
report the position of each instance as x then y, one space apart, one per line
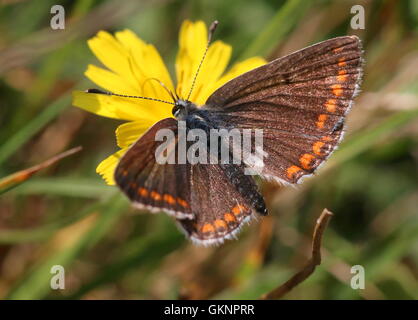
220 209
151 185
300 101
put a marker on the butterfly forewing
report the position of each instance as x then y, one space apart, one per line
300 101
314 68
151 185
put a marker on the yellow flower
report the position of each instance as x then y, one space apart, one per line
133 64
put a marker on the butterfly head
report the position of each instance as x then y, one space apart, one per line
182 108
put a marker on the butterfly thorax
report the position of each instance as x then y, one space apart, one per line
195 117
204 119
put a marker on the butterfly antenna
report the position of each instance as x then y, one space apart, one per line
212 29
174 97
98 91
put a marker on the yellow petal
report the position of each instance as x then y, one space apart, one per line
148 68
137 63
192 43
238 69
107 167
193 38
113 55
111 81
119 107
129 132
146 58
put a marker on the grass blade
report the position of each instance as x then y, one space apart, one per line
36 283
19 177
284 20
22 136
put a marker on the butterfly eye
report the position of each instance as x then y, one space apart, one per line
175 110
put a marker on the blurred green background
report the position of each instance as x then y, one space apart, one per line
67 216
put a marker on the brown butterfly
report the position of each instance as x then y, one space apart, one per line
300 101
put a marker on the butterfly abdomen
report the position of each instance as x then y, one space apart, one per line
246 186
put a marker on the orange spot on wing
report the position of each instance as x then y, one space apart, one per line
306 160
317 147
155 195
169 199
229 217
337 90
321 121
322 117
336 50
143 192
238 209
342 77
326 138
208 228
182 202
331 105
292 170
220 224
341 62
